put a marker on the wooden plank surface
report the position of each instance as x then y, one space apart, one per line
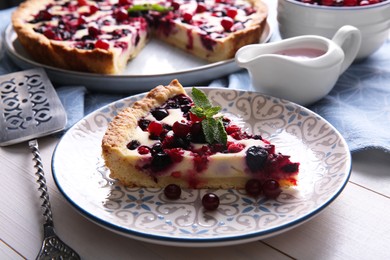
355 226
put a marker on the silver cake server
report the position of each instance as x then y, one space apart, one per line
29 109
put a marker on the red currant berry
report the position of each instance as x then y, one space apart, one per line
143 150
181 129
82 2
102 44
232 129
271 189
50 34
201 8
124 2
227 23
93 9
231 12
44 15
210 201
235 147
175 5
253 187
121 15
172 191
81 20
195 118
155 128
187 17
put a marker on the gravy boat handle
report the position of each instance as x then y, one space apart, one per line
349 39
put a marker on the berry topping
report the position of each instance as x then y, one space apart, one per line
102 44
133 144
227 23
197 135
50 34
176 154
187 17
271 189
253 187
160 114
291 167
155 128
256 157
44 15
160 161
195 118
231 12
172 191
232 129
157 147
201 8
175 5
82 2
143 124
121 15
235 147
210 201
124 2
93 31
93 9
143 150
181 129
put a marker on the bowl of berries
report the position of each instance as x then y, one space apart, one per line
325 17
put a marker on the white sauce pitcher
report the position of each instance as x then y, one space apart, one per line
301 69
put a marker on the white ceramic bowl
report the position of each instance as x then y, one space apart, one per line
296 18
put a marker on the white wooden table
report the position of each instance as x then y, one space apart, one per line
355 226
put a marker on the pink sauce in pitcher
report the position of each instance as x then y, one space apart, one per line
302 53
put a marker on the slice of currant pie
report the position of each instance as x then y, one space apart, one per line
170 138
101 36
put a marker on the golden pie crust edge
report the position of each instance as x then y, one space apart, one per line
54 53
120 132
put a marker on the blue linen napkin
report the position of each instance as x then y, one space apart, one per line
358 106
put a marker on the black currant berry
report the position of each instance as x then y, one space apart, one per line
256 157
172 191
210 201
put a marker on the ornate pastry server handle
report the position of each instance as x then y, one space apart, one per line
52 247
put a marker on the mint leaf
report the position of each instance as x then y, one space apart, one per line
212 126
200 99
220 135
208 129
212 111
149 7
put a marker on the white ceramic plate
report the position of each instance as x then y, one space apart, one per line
158 63
145 214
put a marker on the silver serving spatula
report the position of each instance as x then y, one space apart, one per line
30 108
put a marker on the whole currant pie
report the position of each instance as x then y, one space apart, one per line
102 35
170 138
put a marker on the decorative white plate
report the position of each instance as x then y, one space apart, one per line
158 63
145 214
